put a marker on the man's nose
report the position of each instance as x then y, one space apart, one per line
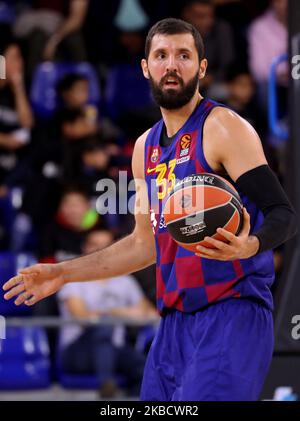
172 64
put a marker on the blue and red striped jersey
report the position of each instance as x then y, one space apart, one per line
185 281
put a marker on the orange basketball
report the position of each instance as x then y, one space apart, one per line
198 205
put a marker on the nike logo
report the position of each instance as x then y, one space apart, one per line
150 170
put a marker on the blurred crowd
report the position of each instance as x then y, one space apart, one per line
74 101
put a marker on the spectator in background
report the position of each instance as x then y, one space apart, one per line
94 164
130 108
74 121
242 99
77 124
98 160
53 30
268 38
16 118
103 26
217 36
103 349
78 118
238 14
130 46
63 238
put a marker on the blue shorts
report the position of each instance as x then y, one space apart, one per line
221 353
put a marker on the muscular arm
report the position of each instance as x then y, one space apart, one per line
235 146
130 254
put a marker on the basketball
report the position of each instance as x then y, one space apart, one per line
198 205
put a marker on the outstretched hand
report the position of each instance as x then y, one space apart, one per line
239 246
34 283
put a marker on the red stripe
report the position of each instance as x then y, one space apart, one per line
199 167
238 268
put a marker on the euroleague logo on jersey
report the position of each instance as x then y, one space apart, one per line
185 143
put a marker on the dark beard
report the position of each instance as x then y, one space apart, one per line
172 99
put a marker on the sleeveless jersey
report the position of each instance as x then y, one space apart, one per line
185 281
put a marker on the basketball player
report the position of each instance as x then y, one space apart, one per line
215 338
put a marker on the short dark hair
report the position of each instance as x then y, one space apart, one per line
7 39
75 188
189 3
172 26
68 81
92 144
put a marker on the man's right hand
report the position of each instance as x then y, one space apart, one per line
34 283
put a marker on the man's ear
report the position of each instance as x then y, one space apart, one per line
144 65
202 69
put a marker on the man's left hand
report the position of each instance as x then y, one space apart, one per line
238 247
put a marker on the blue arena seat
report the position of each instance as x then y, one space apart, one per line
46 76
90 381
24 359
84 381
126 89
10 263
79 381
7 13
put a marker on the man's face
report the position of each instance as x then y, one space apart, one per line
97 159
242 89
97 240
77 95
73 207
173 69
280 8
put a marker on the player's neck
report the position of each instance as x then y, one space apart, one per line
175 119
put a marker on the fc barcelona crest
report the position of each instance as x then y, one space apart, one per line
154 156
